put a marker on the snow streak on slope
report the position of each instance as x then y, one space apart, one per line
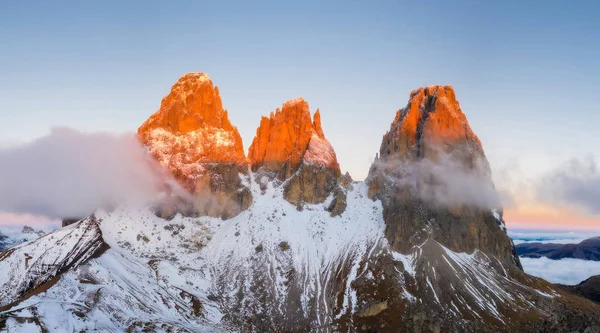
295 252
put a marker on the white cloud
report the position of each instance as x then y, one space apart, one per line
545 236
564 271
445 180
69 173
576 183
572 187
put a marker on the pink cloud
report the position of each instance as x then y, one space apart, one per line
12 219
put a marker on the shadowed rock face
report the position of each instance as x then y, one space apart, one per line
192 138
70 220
292 148
589 288
434 180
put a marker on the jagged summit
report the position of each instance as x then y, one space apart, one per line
193 113
434 179
193 102
431 120
291 145
289 137
192 138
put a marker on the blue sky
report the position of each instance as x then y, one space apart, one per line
526 72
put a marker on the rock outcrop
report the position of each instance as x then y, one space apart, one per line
192 138
70 220
291 147
589 288
434 180
41 261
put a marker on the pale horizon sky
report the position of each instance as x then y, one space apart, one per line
526 73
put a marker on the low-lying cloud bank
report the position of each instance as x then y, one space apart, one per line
12 219
544 236
575 183
563 271
69 173
566 196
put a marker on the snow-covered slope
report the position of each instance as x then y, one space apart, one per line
271 268
28 266
207 273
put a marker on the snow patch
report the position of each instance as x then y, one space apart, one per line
320 152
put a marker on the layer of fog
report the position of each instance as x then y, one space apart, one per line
545 236
564 271
70 174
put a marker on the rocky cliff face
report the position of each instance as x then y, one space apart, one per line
434 180
192 138
290 147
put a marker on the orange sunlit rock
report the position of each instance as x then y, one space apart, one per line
431 176
432 120
317 124
192 138
191 128
284 140
290 146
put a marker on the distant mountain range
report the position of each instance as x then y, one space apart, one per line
588 249
10 237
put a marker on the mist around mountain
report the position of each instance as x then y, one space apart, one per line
520 236
559 257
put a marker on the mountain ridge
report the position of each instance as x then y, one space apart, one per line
588 249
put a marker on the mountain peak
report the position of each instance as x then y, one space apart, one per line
289 145
193 103
432 120
283 141
295 102
432 177
317 124
192 138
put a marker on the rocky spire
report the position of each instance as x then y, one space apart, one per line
289 145
283 140
434 180
192 138
431 120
